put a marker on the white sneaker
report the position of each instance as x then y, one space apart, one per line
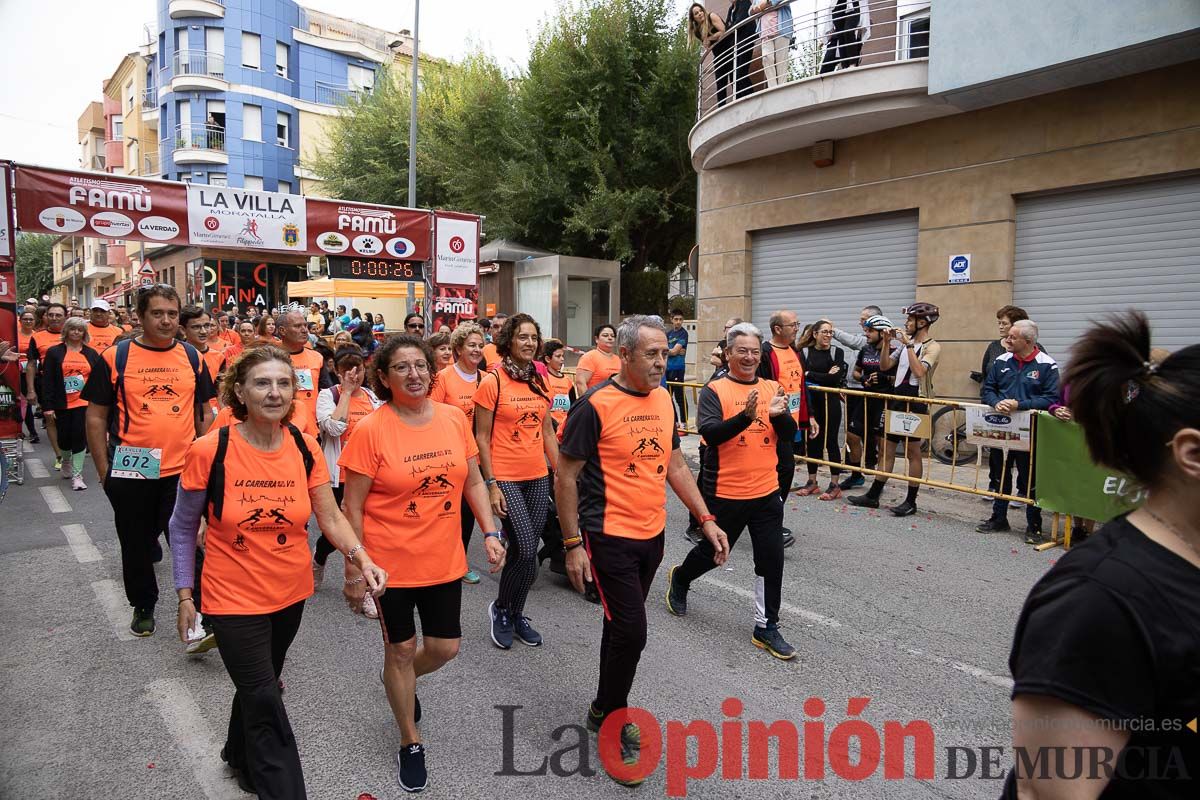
318 575
77 483
66 469
370 610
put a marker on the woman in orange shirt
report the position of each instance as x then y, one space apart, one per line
257 482
245 331
264 331
66 368
443 351
516 437
600 364
408 466
456 385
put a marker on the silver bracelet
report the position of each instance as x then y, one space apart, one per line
355 582
351 552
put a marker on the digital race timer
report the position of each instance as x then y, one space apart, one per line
375 268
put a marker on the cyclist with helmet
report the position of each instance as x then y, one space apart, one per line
915 364
865 425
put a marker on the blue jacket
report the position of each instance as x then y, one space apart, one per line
785 17
1034 385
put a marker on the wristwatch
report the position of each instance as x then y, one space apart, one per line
498 535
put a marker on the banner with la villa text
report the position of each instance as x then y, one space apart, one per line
1069 482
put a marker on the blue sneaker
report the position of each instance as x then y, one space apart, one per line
502 626
525 631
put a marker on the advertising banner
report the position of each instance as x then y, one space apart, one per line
8 233
456 254
987 427
107 206
453 305
1069 482
10 372
220 216
353 230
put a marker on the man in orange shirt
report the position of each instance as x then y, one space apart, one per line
611 492
311 375
101 332
491 356
55 316
744 420
150 398
197 331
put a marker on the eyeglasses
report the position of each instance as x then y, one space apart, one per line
403 369
415 326
144 289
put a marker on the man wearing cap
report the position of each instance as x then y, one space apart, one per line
101 332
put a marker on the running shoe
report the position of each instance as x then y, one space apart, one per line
863 500
65 469
594 719
1035 537
772 641
472 577
77 483
202 645
410 768
852 482
369 609
58 463
693 534
832 492
905 509
809 488
631 750
992 525
501 625
318 574
788 539
525 631
143 622
676 595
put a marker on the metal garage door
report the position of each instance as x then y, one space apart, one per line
833 269
1082 254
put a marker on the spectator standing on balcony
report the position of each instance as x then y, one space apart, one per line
775 33
847 26
708 29
1022 379
744 38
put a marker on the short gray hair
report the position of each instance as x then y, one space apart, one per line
630 329
1027 328
742 329
76 322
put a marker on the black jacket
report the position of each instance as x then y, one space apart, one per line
54 394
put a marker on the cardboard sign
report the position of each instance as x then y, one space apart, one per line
987 427
904 423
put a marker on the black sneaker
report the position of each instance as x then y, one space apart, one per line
143 622
993 525
676 595
410 764
594 719
502 626
852 482
788 539
631 751
863 501
905 509
772 641
693 534
1035 537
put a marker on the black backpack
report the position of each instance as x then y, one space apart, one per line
215 494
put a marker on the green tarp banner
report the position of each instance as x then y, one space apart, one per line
1070 483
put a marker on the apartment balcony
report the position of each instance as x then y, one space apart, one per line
199 144
831 82
114 154
180 9
98 271
150 103
150 164
196 70
332 94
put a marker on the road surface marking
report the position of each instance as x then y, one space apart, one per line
36 468
192 735
804 613
112 600
81 544
55 499
969 669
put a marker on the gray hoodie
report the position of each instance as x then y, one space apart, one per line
855 342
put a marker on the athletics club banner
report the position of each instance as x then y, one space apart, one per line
106 206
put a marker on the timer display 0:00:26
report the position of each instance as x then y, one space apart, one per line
371 268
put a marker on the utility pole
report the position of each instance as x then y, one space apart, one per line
412 116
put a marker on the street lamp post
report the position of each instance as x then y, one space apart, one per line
412 116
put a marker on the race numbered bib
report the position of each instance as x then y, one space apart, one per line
793 402
137 463
562 402
73 384
304 380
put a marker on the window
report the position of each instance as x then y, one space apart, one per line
282 125
118 127
251 50
253 182
252 123
218 179
281 59
359 78
129 97
914 36
285 187
216 114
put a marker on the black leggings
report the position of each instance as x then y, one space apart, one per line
527 502
829 417
260 740
324 546
71 435
29 421
468 522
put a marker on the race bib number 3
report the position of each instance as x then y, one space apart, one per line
73 384
562 402
136 463
304 381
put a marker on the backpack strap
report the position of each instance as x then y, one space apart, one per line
121 360
305 453
215 493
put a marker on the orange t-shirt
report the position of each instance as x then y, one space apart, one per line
625 440
300 418
412 513
518 452
791 377
159 401
217 343
224 417
744 467
102 338
449 387
23 351
40 342
215 360
602 365
75 370
361 407
308 364
256 560
559 390
490 357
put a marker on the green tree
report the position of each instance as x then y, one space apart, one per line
34 265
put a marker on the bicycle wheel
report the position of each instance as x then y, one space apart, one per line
948 437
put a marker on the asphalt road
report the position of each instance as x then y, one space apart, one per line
915 614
